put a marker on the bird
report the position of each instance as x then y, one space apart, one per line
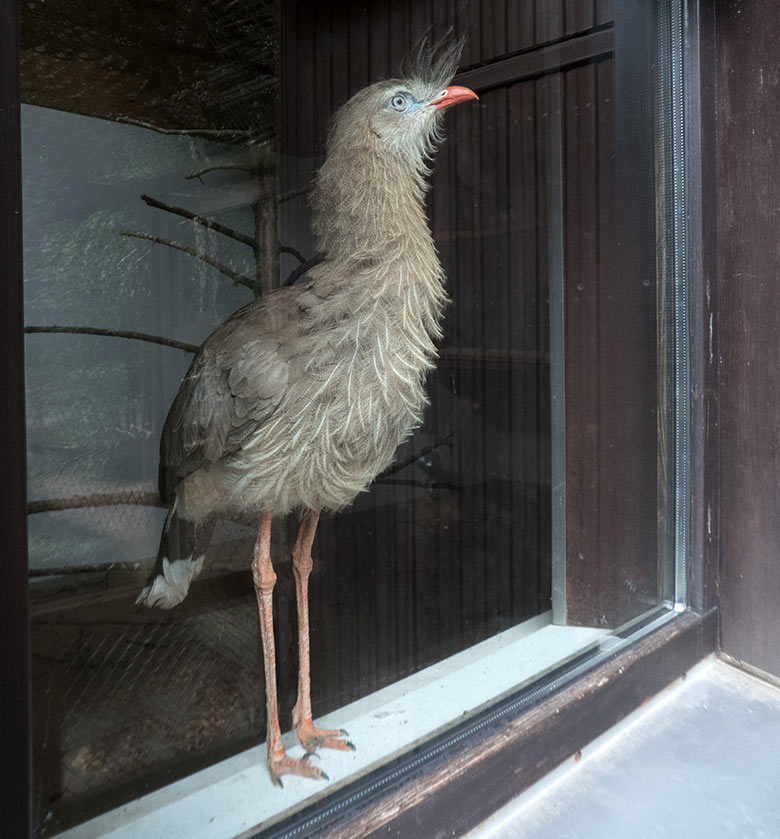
299 399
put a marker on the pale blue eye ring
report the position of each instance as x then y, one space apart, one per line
399 102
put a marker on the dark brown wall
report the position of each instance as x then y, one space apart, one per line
428 571
490 213
748 114
610 295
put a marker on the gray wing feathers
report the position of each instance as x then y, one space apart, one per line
235 382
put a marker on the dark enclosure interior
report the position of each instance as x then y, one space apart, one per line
126 700
453 542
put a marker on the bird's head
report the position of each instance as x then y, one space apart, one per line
403 115
406 113
379 148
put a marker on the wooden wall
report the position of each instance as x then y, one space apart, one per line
748 251
457 546
449 553
613 390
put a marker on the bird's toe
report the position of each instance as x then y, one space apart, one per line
286 765
316 738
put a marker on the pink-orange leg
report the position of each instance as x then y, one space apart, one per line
311 738
279 763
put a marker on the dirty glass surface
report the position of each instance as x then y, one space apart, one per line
169 150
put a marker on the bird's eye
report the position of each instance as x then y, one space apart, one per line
399 102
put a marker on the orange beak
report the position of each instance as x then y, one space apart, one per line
453 95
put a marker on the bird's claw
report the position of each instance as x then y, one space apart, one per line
285 765
312 738
348 743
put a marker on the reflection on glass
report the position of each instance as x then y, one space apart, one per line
167 177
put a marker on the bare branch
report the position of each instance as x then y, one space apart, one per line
423 484
99 568
298 272
238 279
99 499
116 333
201 220
394 468
293 252
211 133
221 167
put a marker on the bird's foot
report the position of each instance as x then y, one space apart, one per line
317 738
283 764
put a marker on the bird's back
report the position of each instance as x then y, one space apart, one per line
236 380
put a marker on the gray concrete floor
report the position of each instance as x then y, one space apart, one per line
700 760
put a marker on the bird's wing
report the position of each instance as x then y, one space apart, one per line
236 380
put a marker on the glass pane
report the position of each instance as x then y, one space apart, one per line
169 156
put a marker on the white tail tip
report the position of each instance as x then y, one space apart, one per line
170 588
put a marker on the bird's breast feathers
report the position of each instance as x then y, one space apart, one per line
339 424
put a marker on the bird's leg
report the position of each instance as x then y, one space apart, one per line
265 579
311 738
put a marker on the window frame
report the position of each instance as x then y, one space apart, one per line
457 790
15 708
454 791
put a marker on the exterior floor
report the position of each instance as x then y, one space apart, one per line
700 760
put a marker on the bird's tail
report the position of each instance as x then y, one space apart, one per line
178 563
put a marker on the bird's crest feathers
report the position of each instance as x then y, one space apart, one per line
433 62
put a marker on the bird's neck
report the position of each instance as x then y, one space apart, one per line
372 229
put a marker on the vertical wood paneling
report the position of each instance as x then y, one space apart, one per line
519 25
494 30
611 343
605 11
470 22
579 15
447 582
540 104
499 430
583 330
549 20
748 249
316 101
379 41
357 47
422 571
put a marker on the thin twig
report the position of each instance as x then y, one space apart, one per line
424 484
213 133
99 499
239 279
208 169
394 468
99 568
116 333
293 252
201 220
298 272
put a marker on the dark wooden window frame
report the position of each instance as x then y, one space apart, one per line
452 793
15 721
465 784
